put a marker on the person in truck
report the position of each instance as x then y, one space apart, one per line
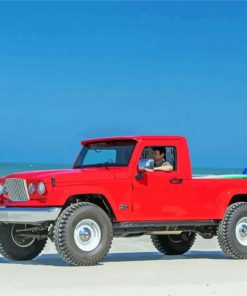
160 163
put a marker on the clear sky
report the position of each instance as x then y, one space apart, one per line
73 70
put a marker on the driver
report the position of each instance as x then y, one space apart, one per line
160 163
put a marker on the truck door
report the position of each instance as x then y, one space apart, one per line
159 195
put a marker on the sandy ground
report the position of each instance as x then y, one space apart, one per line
132 267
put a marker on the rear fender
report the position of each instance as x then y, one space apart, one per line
225 200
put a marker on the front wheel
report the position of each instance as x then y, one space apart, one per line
16 246
174 244
83 234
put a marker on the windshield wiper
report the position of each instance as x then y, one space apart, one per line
102 164
106 164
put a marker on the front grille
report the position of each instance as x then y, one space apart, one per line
17 189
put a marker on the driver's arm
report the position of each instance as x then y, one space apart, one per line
167 167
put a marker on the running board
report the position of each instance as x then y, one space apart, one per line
125 228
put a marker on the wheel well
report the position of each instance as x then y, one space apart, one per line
97 199
238 198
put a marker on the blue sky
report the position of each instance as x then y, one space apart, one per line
73 70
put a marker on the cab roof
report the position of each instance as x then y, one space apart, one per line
135 138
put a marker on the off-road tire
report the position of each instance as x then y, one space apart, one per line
64 234
10 250
227 231
175 244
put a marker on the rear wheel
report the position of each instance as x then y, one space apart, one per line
83 234
175 244
232 231
14 245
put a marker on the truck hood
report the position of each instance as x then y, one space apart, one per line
67 175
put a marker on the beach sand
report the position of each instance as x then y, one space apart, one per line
133 267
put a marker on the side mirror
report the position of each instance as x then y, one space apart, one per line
145 164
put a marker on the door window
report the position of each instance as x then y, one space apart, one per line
169 154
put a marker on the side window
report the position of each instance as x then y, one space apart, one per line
169 154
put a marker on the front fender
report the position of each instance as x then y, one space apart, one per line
62 193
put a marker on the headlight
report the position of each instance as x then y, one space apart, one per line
1 189
31 188
41 188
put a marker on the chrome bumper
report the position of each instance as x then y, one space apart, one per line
28 215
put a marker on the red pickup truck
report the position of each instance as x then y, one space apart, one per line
112 190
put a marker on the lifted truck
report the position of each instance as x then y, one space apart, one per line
113 190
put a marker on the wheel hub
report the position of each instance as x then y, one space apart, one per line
87 235
178 238
241 231
18 239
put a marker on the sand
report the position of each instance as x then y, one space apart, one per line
133 267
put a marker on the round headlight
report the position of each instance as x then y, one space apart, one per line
41 188
31 188
1 189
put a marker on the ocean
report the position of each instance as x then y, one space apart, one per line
9 168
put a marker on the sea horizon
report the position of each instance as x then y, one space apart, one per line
7 168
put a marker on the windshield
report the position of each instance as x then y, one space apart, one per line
114 153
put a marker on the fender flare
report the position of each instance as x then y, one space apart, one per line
88 189
224 201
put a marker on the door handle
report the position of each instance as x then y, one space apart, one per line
176 181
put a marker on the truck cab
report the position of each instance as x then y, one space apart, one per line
113 189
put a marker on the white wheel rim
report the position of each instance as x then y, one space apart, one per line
87 235
241 231
175 239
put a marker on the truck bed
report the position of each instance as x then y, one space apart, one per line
230 176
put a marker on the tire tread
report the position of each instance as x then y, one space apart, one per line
8 253
59 238
167 248
224 234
